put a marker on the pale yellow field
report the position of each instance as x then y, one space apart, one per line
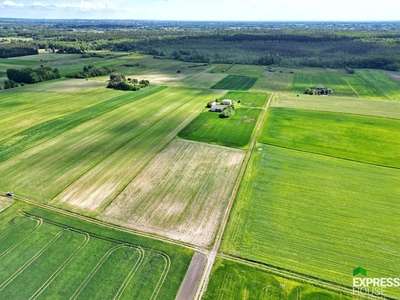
181 194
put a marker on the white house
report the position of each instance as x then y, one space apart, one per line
226 102
217 108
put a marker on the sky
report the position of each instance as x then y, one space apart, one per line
205 10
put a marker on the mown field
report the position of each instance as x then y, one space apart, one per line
235 82
313 215
44 255
361 138
233 280
181 194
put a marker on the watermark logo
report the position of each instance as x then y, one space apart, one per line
371 286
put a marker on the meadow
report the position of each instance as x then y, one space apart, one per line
355 137
45 255
235 82
312 214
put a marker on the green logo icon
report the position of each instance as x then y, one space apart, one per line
359 270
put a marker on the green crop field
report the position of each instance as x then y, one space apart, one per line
247 99
234 131
235 82
312 214
275 81
362 138
233 280
44 255
349 105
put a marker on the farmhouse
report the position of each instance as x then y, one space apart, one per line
220 107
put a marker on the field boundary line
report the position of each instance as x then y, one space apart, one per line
129 277
332 156
61 268
217 241
30 261
94 270
298 277
38 224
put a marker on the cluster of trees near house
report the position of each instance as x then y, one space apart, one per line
227 111
29 75
91 71
119 82
317 90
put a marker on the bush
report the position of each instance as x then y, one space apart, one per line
227 111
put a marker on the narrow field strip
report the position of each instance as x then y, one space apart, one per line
14 226
167 266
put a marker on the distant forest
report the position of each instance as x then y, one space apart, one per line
334 44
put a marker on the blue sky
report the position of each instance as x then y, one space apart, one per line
224 10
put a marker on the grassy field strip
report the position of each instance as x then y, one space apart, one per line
60 268
274 81
201 80
16 237
298 211
374 84
349 105
52 128
246 70
30 261
247 99
4 233
160 282
95 189
179 194
60 161
361 138
235 82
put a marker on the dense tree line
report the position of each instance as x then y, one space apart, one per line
15 50
29 75
91 71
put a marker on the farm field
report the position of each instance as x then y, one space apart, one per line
312 214
84 146
348 105
235 82
247 99
233 280
45 255
366 139
181 194
235 131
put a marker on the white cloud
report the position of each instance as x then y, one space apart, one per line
37 4
87 6
9 3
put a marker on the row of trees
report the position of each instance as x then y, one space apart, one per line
119 82
29 75
91 71
15 50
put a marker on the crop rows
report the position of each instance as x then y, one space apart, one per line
235 82
38 259
312 214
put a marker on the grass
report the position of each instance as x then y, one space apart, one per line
313 215
179 194
247 99
48 255
234 131
235 82
246 70
233 280
362 138
275 81
348 105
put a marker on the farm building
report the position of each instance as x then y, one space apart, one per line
226 102
218 108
